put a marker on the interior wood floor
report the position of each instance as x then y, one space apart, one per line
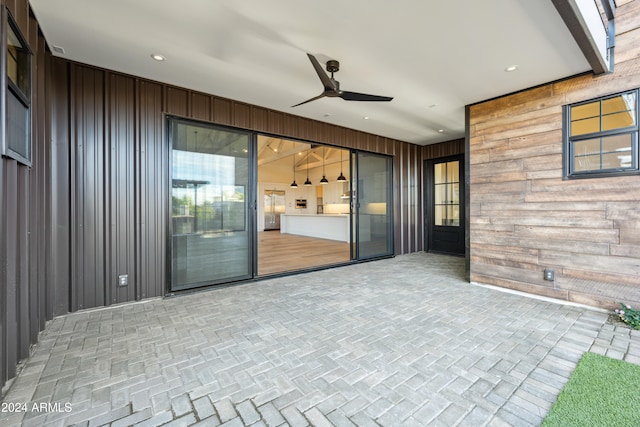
279 252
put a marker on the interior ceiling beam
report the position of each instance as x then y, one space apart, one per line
277 156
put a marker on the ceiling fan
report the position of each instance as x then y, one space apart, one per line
332 86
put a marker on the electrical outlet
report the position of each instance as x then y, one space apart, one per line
123 280
549 275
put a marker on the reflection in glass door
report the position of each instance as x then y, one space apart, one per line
210 191
372 214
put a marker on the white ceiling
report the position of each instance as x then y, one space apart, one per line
433 56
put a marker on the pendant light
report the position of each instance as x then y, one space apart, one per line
341 178
324 180
293 184
308 183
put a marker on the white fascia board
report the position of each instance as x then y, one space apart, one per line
594 28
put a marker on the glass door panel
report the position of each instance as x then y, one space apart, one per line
372 214
211 237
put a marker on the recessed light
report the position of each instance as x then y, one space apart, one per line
511 68
441 130
157 57
433 105
58 49
366 117
327 114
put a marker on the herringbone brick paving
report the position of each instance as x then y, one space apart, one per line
404 341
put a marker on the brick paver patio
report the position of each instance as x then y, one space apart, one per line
404 341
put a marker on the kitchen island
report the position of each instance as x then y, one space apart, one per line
322 226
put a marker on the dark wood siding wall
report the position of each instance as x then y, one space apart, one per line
94 203
24 216
525 217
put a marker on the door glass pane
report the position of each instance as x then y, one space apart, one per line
452 172
440 214
374 220
440 193
453 215
209 196
455 193
440 173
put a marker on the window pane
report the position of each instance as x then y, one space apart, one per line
618 143
17 62
625 102
616 161
18 126
588 146
581 127
586 163
585 111
618 120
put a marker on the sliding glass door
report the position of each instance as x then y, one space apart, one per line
372 213
211 187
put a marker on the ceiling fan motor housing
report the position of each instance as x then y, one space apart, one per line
333 66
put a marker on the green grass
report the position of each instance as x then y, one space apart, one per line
600 392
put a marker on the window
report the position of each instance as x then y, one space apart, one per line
17 57
601 136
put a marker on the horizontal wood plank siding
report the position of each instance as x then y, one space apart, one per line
525 217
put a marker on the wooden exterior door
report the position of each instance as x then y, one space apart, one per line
445 205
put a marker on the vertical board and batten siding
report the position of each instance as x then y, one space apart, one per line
119 173
526 218
24 215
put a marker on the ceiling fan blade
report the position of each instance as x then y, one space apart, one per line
326 81
322 95
355 96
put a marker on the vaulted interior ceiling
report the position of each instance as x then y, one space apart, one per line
433 57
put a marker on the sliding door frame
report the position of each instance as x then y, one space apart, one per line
355 216
251 195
